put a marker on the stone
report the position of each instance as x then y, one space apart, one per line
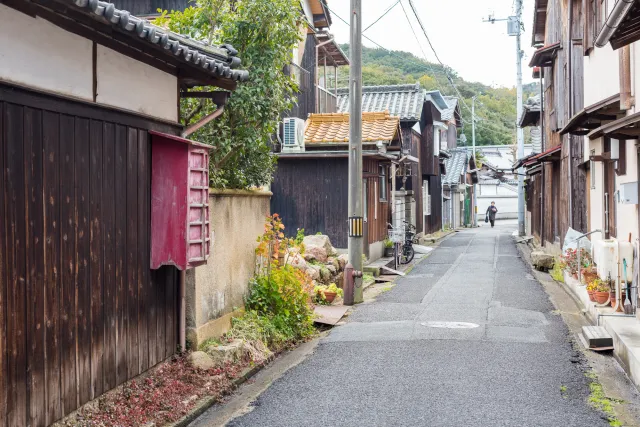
320 246
201 360
342 261
309 257
325 274
232 352
296 260
313 273
334 262
331 269
340 280
318 253
542 261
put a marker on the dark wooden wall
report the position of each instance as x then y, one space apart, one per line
306 100
313 194
80 311
416 177
433 222
150 7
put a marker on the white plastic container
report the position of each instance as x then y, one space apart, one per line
608 256
605 257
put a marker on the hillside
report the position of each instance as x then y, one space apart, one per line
495 107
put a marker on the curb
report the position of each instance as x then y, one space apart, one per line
207 402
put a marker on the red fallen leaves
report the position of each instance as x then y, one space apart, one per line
165 395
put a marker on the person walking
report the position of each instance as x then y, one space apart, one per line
491 214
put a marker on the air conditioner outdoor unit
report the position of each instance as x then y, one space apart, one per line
293 140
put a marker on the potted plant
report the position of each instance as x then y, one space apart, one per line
388 248
324 295
592 287
589 275
601 293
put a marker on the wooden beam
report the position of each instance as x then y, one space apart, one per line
217 97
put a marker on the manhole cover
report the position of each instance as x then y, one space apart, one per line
450 325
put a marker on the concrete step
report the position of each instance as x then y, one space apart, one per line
596 338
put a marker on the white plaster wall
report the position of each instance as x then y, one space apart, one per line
601 75
627 215
596 211
126 83
36 53
306 7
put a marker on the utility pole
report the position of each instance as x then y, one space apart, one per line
356 223
515 29
519 130
473 142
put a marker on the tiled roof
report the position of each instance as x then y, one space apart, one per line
449 113
404 101
455 165
334 128
219 61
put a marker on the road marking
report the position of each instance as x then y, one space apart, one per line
450 325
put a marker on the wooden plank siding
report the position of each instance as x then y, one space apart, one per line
562 180
76 291
313 194
306 98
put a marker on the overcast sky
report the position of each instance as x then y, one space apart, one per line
477 50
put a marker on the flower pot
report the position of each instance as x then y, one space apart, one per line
601 297
329 296
388 252
574 275
592 296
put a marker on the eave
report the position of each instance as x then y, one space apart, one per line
622 26
192 62
593 116
545 56
622 129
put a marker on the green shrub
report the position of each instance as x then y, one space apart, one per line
253 327
556 273
283 296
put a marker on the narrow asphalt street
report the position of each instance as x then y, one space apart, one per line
396 364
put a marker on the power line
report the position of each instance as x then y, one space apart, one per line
444 67
382 16
420 46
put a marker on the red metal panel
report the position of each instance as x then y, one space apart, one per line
180 202
168 203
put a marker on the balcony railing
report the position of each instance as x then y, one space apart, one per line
327 101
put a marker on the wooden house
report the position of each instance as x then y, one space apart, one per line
455 189
310 187
424 133
90 140
559 190
609 124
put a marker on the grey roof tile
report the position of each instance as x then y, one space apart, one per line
448 114
536 140
405 101
455 165
220 61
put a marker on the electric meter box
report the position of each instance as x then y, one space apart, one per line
629 193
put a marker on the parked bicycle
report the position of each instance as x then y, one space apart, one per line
402 238
407 248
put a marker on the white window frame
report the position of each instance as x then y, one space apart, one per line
592 171
426 199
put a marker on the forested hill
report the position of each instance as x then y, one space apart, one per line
495 107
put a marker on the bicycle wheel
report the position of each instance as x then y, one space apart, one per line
407 254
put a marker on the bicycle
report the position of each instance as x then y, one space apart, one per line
407 248
403 251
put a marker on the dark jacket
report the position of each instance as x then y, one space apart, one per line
491 212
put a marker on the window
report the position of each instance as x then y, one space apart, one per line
436 141
589 25
621 164
592 171
426 199
383 183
